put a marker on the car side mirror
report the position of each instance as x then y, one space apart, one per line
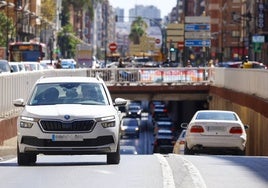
120 102
184 125
246 126
19 103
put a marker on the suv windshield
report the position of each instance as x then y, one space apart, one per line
69 93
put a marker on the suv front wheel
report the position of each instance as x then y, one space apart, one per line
25 159
114 158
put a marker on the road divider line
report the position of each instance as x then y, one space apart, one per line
168 179
198 180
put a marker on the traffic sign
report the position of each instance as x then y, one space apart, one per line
197 35
197 27
157 41
180 45
258 38
197 43
197 19
112 46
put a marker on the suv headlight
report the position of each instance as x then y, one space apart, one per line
107 122
27 122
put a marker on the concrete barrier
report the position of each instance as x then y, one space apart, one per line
8 129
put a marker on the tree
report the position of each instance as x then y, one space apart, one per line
138 29
67 42
48 9
7 29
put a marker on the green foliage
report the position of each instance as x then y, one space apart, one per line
138 29
48 9
7 29
67 42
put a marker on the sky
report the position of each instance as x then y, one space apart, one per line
165 6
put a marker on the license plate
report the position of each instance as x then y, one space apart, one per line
67 137
215 128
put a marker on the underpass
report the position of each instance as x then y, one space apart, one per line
225 89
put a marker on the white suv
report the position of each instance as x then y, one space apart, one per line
66 116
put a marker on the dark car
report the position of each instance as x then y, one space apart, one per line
165 124
164 142
159 113
130 127
134 111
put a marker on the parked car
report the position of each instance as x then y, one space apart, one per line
31 65
140 61
163 142
129 127
48 64
68 63
215 131
180 143
4 67
62 117
17 67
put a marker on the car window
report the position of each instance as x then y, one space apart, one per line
130 122
69 93
216 116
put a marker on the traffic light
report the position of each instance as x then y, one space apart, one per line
257 47
172 49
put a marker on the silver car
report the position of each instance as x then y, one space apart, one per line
66 116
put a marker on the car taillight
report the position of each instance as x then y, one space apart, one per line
196 129
182 142
236 130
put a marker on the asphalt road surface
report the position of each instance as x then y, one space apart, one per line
136 171
145 170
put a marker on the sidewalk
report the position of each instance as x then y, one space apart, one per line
9 148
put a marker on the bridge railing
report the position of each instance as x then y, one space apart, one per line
18 85
145 76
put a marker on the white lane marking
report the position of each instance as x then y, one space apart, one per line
168 180
198 180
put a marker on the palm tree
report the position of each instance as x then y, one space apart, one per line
138 29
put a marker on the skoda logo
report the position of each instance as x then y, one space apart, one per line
67 117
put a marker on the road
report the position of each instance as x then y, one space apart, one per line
135 171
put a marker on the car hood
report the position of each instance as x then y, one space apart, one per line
73 110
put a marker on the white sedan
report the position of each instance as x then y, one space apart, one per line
215 131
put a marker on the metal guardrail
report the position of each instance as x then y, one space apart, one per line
18 85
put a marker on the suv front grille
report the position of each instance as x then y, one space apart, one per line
83 125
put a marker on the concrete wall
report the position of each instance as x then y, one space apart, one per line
8 129
253 112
